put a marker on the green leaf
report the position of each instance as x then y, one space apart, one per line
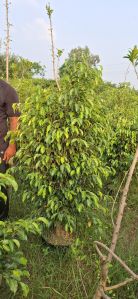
42 149
13 285
23 261
16 242
25 289
44 220
6 248
3 196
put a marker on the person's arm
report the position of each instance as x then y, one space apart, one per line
11 98
11 150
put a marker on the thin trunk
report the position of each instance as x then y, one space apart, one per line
127 71
53 53
7 39
53 49
135 70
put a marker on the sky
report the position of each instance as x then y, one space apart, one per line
107 27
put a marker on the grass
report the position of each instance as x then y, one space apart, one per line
56 273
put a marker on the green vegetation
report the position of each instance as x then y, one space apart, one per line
13 264
55 272
78 55
76 141
103 121
20 67
59 155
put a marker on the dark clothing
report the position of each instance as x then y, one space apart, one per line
4 206
8 97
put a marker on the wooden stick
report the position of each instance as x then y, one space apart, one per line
122 263
119 285
105 266
122 207
118 191
104 296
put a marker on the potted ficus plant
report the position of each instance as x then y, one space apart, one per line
59 156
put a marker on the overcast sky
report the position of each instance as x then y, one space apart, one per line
108 27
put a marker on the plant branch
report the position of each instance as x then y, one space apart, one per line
105 266
122 263
119 285
112 212
104 296
122 206
102 257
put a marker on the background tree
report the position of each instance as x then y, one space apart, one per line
132 56
20 67
78 55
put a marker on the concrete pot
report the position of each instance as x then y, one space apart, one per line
58 236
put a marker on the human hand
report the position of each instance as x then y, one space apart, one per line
10 152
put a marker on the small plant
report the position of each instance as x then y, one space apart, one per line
132 56
13 264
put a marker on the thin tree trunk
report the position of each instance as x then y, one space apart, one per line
53 49
135 70
49 12
7 39
53 54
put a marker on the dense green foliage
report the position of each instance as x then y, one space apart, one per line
27 87
59 152
121 111
55 272
12 261
13 264
72 143
78 55
20 67
69 138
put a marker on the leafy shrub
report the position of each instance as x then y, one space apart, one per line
13 264
20 67
12 261
26 87
62 136
121 112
